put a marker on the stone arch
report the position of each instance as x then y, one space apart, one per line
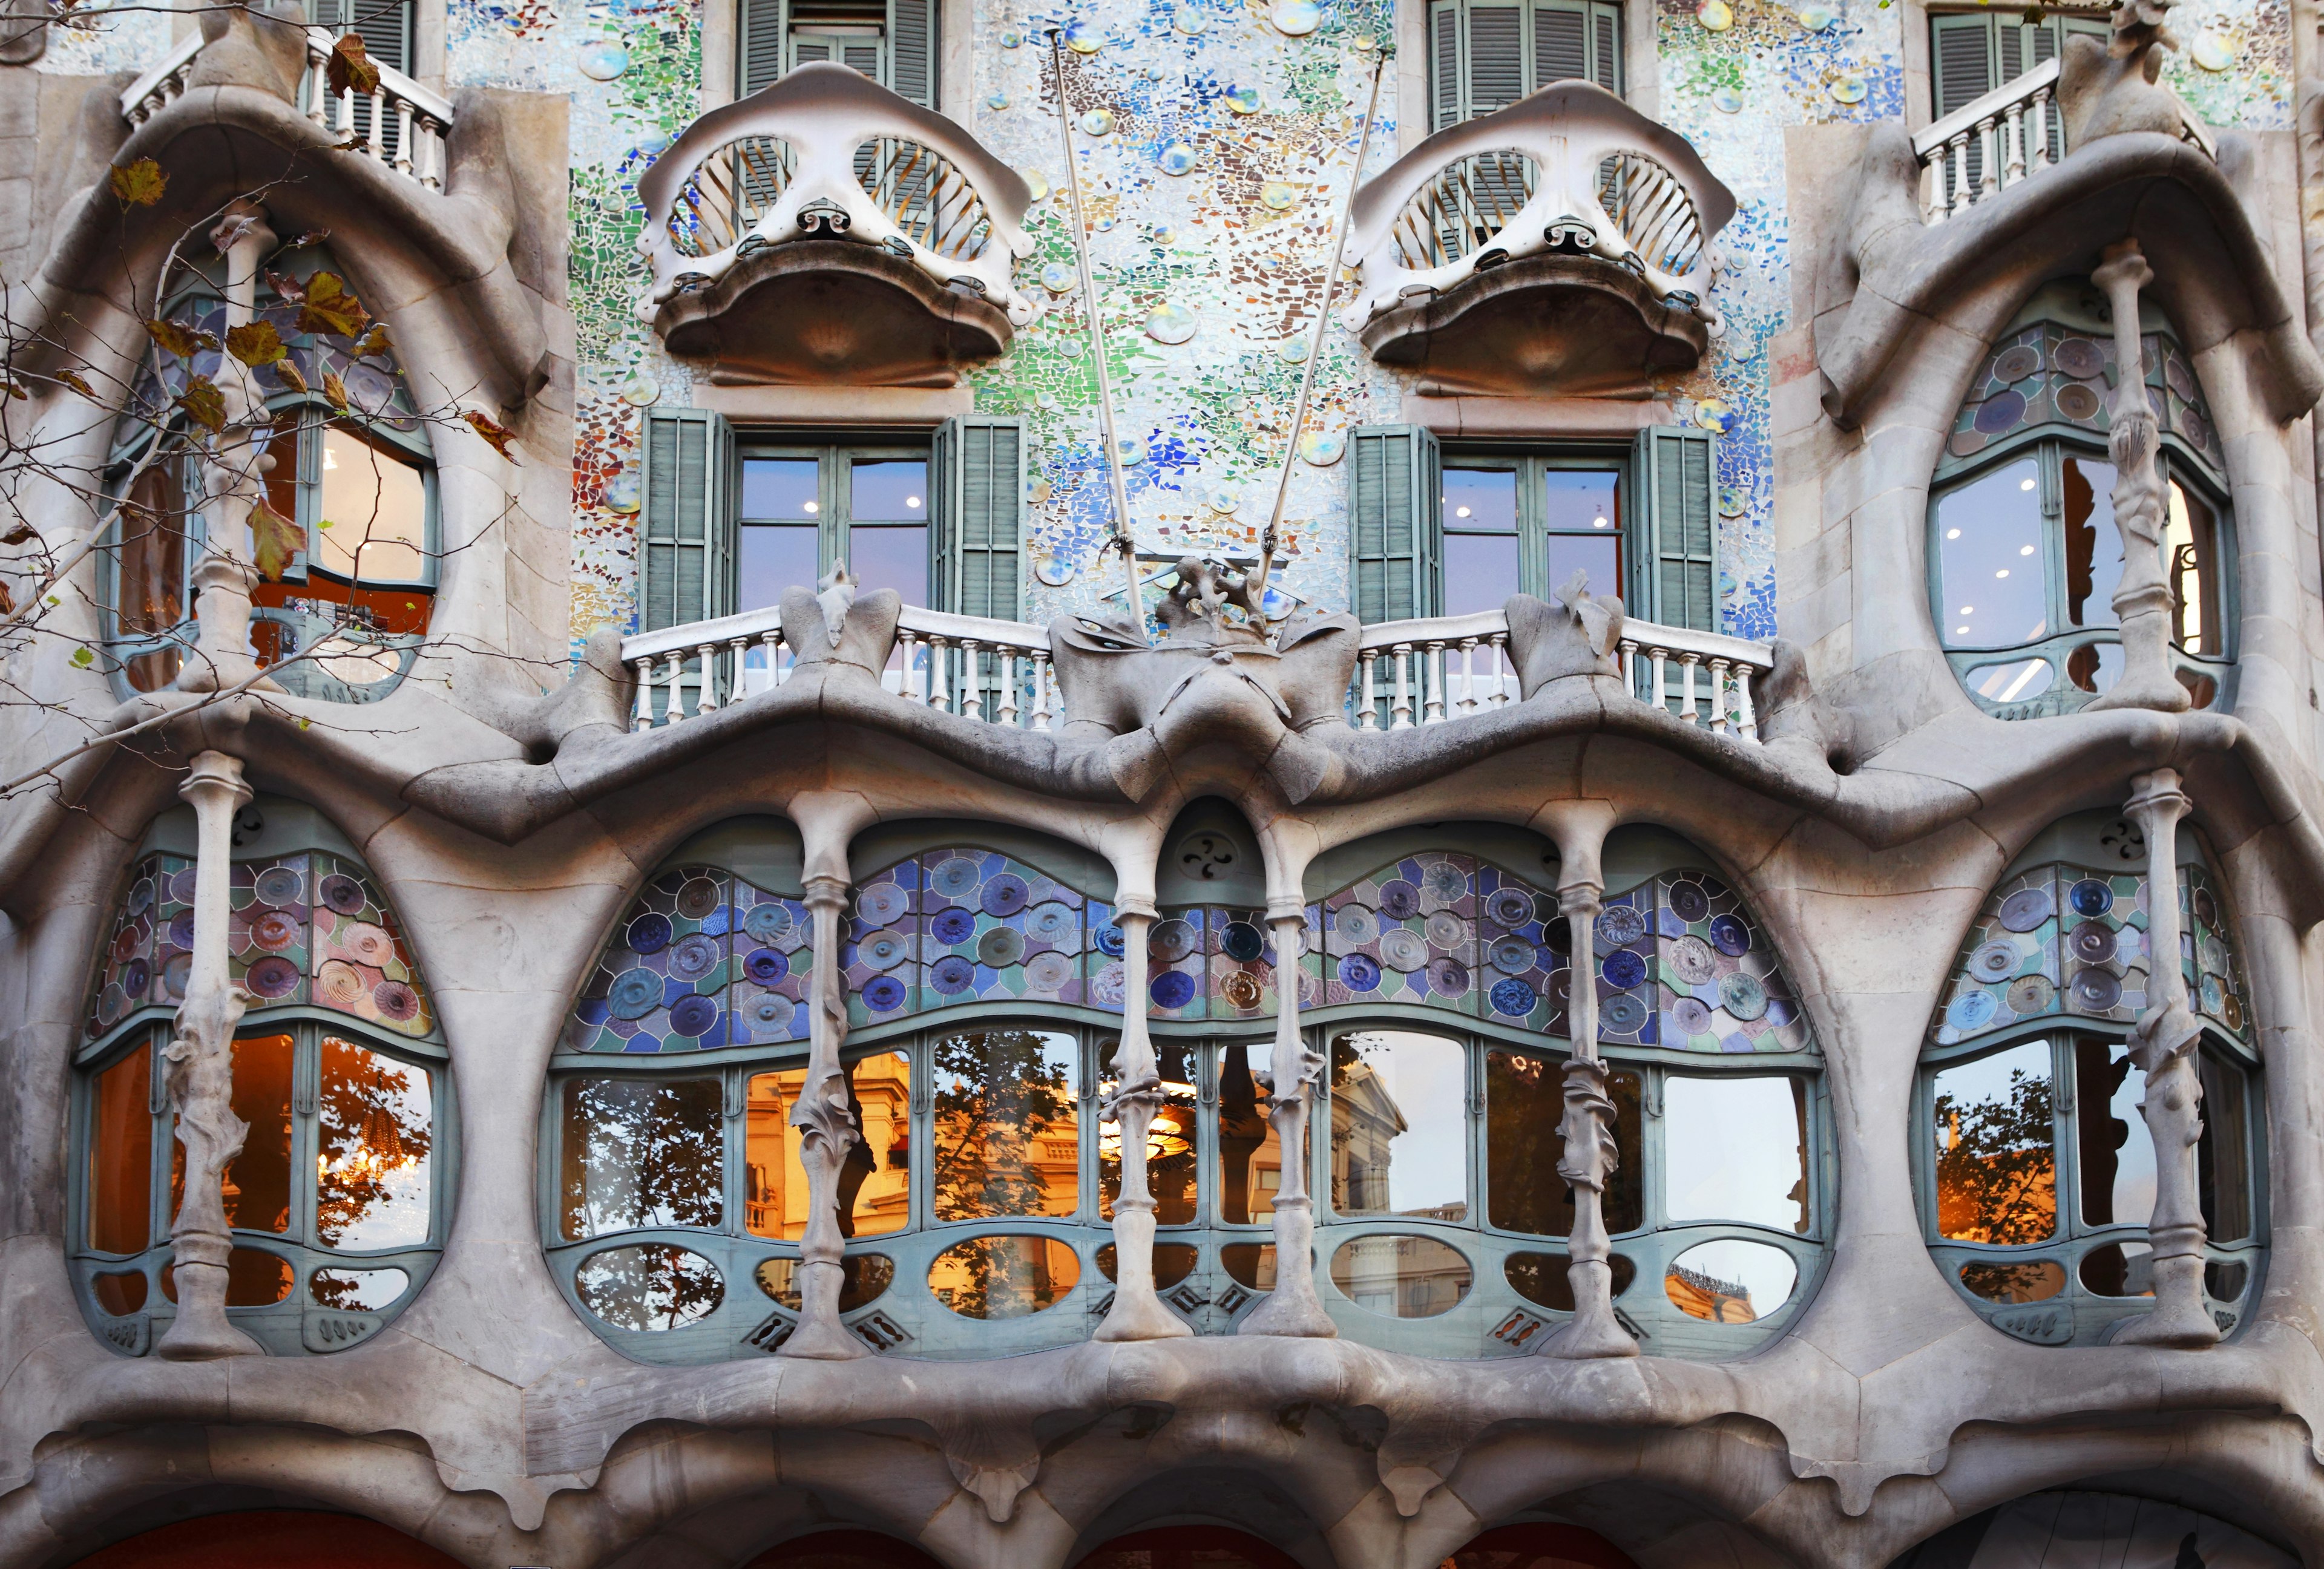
1231 1501
2052 1529
242 1537
842 1547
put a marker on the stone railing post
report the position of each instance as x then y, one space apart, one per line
824 1113
2162 1046
232 470
2141 600
198 1071
1137 1313
1293 1072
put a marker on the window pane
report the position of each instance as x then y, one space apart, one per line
1481 498
373 1129
258 1180
121 1156
641 1152
781 487
1008 1131
154 550
375 512
1581 501
1996 1165
1736 1149
875 1183
2093 548
1402 1277
1731 1282
1525 1099
2115 1157
1171 1160
1399 1125
2224 1157
1480 572
890 491
1004 1276
1250 1156
1600 557
890 556
649 1288
2190 554
771 558
1990 563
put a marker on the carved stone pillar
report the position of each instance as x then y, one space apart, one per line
826 1118
1137 1313
2141 600
1294 1071
2162 1046
232 470
199 1070
1587 1129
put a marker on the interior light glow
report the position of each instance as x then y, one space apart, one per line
2025 549
2024 485
1952 533
1598 522
1968 610
1461 511
1961 632
2003 572
810 506
911 501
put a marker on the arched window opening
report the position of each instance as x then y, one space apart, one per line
1540 1545
2024 556
843 1550
352 471
231 1541
2038 1170
2056 1530
336 1200
1188 1547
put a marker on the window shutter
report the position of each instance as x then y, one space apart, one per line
1964 47
763 26
911 49
1561 43
683 553
386 31
976 547
1396 522
865 55
1444 65
1606 46
1676 471
1495 73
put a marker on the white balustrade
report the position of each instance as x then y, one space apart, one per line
163 85
421 119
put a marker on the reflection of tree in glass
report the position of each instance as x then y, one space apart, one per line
996 1094
643 1152
371 1169
1997 1171
649 1287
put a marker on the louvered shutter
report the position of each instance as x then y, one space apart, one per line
1606 47
1677 581
1486 54
911 51
1966 50
1396 524
385 30
683 556
1561 44
976 547
1494 59
763 26
1444 64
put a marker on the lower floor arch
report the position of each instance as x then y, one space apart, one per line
844 1549
1188 1547
1540 1545
279 1539
2070 1528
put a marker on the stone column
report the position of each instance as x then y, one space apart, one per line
197 1067
2162 1047
1587 1129
2142 502
1293 1072
233 483
1138 1313
824 1113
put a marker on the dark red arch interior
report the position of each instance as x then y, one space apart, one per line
278 1538
1188 1547
1539 1545
843 1550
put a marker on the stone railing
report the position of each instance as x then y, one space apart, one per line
1409 673
827 152
400 123
1571 170
2009 136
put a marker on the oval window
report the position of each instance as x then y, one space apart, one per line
2119 1270
2035 1280
122 1295
254 1278
1250 1265
863 1278
1731 1282
1173 1262
649 1287
1541 1278
1008 1276
1402 1277
357 1291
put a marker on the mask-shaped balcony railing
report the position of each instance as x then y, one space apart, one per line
1570 172
826 153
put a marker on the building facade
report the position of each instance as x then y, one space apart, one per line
898 782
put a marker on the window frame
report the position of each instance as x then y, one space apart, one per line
835 455
1433 23
1533 463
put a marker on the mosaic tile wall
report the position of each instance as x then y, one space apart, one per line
1212 190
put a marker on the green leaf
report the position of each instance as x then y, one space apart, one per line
83 657
139 184
329 308
254 344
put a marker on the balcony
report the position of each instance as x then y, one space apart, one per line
824 230
1561 246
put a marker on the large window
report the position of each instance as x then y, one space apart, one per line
804 507
1484 55
1525 522
892 41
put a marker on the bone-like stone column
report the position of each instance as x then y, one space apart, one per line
1587 1129
1294 1069
199 1070
2162 1047
233 477
824 1112
2141 600
1138 1313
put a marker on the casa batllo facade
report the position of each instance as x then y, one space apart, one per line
860 783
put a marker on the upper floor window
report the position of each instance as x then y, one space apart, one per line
804 506
2024 553
892 41
1484 55
1972 54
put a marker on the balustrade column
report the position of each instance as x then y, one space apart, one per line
1718 697
2041 158
1990 178
1366 717
2013 141
1687 710
1468 677
1432 677
1961 198
971 681
644 719
1498 643
1293 1072
197 1069
2162 1046
1040 689
1400 711
1006 713
1138 1313
706 678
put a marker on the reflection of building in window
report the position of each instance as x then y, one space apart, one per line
1699 1296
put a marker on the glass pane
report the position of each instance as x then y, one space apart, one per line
2224 1282
651 1288
2094 667
257 1188
1481 498
1173 1262
1250 1265
1525 1099
1736 1149
875 1183
2191 555
1542 1277
1402 1277
357 1291
1171 1159
893 489
2037 1280
2115 1158
863 1279
121 1156
2224 1157
1007 1127
1990 565
2119 1270
154 550
781 487
1004 1276
2093 548
1399 1125
1250 1156
1996 1163
1581 501
374 523
1597 557
641 1152
1731 1282
770 557
124 1294
890 556
1480 572
375 1130
254 1278
2014 681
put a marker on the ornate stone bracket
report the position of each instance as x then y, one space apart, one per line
1294 1069
1138 1313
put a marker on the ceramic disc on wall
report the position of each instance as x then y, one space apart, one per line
2092 942
1447 931
649 933
883 994
1995 961
951 925
2096 991
2079 357
2027 908
1690 957
953 877
2090 897
1688 901
1624 970
766 966
278 885
1622 1015
1690 1016
770 1014
1400 899
634 993
1742 995
1446 882
343 894
1448 977
275 931
1241 991
1731 936
1051 922
272 976
765 923
884 950
1005 895
1000 948
697 897
1172 990
1048 972
396 1001
1171 941
1242 941
952 975
1619 924
1512 956
1358 973
694 957
883 904
1510 907
1402 949
2031 994
1356 925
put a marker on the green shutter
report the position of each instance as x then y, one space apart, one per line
763 26
1396 522
685 558
1495 67
975 546
1606 45
1560 42
1962 51
1485 55
385 28
912 51
1676 471
1444 64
